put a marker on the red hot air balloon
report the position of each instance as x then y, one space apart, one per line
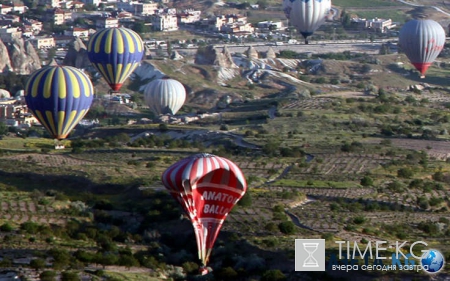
207 187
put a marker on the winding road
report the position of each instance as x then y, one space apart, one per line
417 5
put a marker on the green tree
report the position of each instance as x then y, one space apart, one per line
226 273
140 27
190 267
246 200
128 261
61 258
287 227
366 181
70 276
169 48
30 227
48 275
405 173
6 227
37 264
273 275
3 129
346 20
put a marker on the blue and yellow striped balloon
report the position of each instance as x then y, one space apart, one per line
59 97
115 52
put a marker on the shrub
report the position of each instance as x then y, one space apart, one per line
246 200
278 209
287 227
359 220
6 227
226 273
69 276
48 275
272 227
190 267
366 181
406 173
273 275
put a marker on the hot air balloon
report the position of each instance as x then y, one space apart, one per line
59 97
165 96
115 52
307 15
422 41
207 187
287 7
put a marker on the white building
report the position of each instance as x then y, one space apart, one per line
145 8
93 2
19 8
165 22
107 22
189 16
77 32
4 9
376 24
268 24
42 42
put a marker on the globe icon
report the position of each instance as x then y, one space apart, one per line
432 261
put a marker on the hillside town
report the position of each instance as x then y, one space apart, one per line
43 30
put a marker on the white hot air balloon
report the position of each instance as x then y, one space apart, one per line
422 41
307 15
165 96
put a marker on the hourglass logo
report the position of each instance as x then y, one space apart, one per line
309 254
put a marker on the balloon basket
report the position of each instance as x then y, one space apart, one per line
59 145
203 270
422 76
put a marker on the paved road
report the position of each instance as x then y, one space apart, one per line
314 48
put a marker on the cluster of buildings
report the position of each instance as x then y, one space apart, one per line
14 112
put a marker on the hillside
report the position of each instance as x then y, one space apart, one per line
344 144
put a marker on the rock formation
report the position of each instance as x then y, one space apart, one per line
5 61
77 55
252 53
176 56
270 54
213 56
147 53
23 56
226 59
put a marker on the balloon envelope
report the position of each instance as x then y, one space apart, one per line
307 15
422 41
59 97
165 96
208 187
115 52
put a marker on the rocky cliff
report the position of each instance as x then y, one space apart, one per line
21 57
77 55
5 61
214 56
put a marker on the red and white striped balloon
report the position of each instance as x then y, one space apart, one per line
207 187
